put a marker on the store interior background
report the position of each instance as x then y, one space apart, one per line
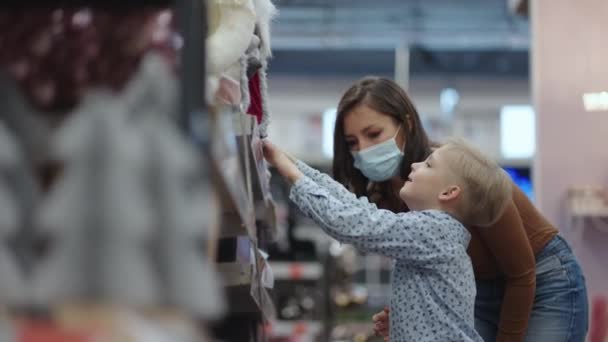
546 57
147 211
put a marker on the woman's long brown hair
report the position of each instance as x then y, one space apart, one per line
386 97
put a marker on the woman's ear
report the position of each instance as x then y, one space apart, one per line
449 193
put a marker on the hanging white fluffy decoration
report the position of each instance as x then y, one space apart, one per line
232 25
265 13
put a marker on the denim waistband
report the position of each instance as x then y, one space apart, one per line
556 245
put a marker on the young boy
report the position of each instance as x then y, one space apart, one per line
433 286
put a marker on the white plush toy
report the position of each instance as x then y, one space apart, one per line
265 12
231 25
238 29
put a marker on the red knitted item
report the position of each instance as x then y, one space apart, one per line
255 95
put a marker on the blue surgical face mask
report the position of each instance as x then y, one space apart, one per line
379 162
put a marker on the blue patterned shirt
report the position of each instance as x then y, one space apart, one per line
433 286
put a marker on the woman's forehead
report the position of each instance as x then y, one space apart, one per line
364 115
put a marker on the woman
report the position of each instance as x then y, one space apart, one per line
529 284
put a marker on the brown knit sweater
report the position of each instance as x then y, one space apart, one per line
506 250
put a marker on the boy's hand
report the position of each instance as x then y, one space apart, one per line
281 161
381 324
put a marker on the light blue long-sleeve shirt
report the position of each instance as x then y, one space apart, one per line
433 286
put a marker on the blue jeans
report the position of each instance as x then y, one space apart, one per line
560 312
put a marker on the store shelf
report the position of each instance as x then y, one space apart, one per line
248 299
236 260
307 330
237 210
242 288
233 225
297 270
235 274
583 211
592 217
243 285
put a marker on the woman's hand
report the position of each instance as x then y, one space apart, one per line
381 324
281 161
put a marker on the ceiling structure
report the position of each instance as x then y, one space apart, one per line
469 37
384 24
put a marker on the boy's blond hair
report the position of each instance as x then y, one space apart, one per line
487 188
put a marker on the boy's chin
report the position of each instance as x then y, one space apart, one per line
408 201
411 202
403 195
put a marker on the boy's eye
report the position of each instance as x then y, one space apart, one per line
427 164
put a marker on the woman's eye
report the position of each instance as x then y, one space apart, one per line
351 144
374 135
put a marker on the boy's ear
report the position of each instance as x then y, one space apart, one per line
449 193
